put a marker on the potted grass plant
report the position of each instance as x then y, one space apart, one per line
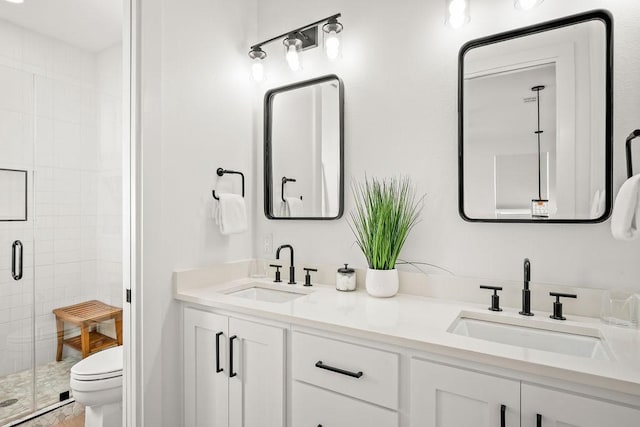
385 212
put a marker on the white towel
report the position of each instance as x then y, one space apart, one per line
232 214
294 207
626 210
284 209
597 204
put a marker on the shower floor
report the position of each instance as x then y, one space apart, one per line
51 379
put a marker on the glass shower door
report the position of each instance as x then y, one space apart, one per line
17 344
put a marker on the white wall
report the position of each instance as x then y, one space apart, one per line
401 118
196 116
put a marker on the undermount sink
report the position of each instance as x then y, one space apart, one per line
585 343
266 293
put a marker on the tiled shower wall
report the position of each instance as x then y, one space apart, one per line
68 106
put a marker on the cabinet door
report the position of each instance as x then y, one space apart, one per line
206 396
442 396
562 409
256 385
313 406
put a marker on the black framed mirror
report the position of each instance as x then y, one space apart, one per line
304 150
535 123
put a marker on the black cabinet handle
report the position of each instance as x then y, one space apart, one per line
16 247
231 373
218 368
503 410
321 365
539 422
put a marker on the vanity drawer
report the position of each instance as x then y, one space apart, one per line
337 365
313 407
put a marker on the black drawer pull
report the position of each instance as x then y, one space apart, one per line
218 368
321 365
231 373
539 423
503 410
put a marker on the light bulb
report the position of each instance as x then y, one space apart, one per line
332 45
257 56
457 13
257 70
15 1
332 34
293 59
457 7
526 4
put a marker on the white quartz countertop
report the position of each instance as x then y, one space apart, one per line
422 324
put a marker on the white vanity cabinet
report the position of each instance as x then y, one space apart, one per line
233 372
206 391
444 396
559 409
313 406
341 384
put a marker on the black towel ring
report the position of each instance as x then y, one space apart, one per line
221 172
633 135
284 181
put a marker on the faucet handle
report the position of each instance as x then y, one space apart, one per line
557 305
277 267
495 298
307 277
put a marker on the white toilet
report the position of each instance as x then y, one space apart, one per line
96 382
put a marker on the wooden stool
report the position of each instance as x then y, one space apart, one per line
87 315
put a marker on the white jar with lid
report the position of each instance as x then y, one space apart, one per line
346 279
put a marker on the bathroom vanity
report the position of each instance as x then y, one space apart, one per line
263 354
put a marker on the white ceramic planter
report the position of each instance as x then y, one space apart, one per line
382 283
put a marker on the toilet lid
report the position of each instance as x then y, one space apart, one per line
104 364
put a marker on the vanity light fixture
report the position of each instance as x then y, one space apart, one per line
298 40
257 55
457 13
526 4
15 1
332 38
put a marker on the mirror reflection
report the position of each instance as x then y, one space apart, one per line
535 144
303 150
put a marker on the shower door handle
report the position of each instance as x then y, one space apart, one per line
16 271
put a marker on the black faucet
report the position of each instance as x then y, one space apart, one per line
292 269
526 293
